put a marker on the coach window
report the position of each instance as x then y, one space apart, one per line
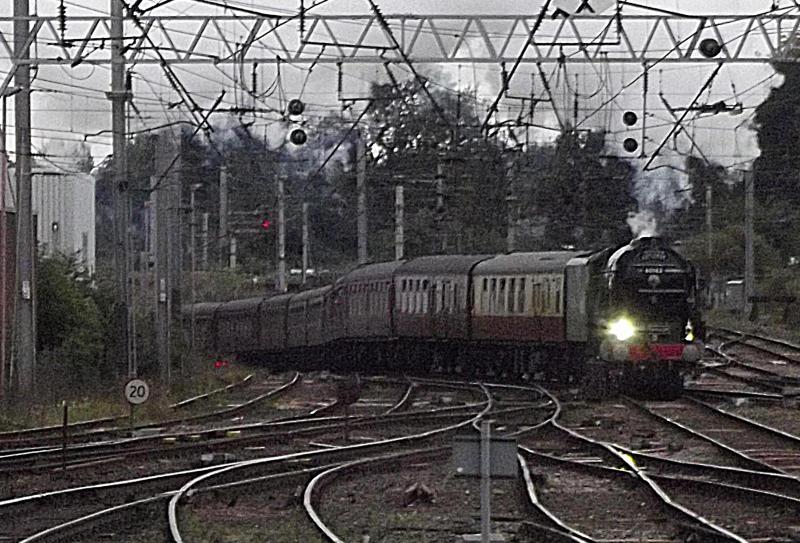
512 295
558 299
492 296
502 298
521 296
484 300
451 299
545 295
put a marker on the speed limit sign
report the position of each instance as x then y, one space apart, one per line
136 391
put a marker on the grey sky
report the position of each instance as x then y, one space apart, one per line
69 103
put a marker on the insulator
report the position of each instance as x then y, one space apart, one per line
62 19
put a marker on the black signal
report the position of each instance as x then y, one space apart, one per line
629 118
298 136
296 107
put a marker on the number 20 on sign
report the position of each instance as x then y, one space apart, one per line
136 391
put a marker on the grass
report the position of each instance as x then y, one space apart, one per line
110 402
288 526
768 324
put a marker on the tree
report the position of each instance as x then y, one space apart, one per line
71 317
411 138
777 169
727 259
582 196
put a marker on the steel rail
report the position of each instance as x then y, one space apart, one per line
564 529
210 393
82 524
321 478
8 437
86 451
652 485
761 426
172 510
700 435
405 399
720 487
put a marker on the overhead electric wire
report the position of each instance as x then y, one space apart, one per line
663 58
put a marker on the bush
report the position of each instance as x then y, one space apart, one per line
70 326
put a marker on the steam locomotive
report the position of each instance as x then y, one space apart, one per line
629 314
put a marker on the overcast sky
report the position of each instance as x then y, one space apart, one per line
69 103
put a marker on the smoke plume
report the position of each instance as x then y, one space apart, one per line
642 224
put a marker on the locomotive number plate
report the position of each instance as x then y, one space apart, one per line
654 270
654 255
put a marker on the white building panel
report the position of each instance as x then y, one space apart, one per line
64 207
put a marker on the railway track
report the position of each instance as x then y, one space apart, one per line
682 489
761 446
773 362
111 501
616 471
514 408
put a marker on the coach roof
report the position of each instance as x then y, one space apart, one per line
241 305
521 263
371 272
441 265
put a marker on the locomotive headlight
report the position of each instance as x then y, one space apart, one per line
622 329
689 331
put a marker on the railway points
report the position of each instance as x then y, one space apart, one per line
576 457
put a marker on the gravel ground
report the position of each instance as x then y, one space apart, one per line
373 503
784 416
604 507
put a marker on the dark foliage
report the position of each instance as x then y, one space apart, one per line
582 196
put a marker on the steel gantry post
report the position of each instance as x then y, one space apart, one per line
361 188
118 97
25 332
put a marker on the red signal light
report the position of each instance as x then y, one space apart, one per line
220 364
265 224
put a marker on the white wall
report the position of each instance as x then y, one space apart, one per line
65 199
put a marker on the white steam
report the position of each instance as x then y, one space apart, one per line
643 224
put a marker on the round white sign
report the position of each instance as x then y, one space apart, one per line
136 391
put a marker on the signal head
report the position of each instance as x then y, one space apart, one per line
629 118
296 107
298 136
710 47
630 145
